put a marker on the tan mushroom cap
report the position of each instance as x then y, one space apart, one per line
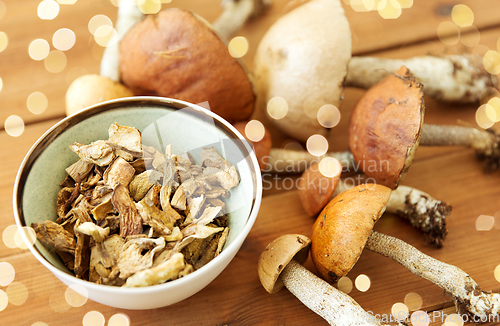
316 189
277 255
176 54
385 127
342 229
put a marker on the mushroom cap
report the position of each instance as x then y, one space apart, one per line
342 229
277 255
176 54
385 127
262 148
316 189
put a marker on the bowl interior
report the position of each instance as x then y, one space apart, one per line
185 127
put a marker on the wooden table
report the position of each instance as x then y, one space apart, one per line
236 296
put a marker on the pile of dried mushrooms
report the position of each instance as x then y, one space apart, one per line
129 215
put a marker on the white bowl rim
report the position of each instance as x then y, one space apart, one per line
115 104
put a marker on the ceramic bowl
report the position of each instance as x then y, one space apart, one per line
162 121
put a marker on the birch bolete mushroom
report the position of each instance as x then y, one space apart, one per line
344 228
387 126
419 208
280 265
177 54
305 58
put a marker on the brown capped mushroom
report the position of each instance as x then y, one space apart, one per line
387 127
280 264
419 208
344 228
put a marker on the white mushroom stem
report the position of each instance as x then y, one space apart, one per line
468 296
486 143
453 78
419 208
236 13
336 307
128 15
297 161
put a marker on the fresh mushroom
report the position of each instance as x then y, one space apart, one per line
344 228
419 208
280 265
387 126
177 54
305 58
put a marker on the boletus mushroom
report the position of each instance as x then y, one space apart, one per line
422 211
387 126
344 228
280 265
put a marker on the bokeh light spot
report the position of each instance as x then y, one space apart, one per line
37 102
55 62
7 273
48 9
399 311
64 39
494 103
413 301
39 323
93 318
485 222
454 320
39 49
389 9
149 7
462 15
4 41
491 62
362 283
420 318
27 233
345 285
254 130
58 303
1 84
330 167
4 300
104 34
277 108
98 21
8 236
14 126
482 118
317 145
328 116
448 33
238 46
17 293
76 295
119 320
405 3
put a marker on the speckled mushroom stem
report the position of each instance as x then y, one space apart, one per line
128 15
419 208
297 161
468 296
236 13
336 307
452 78
486 143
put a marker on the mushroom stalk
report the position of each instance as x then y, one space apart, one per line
468 296
336 307
128 15
236 13
297 161
419 208
486 143
452 78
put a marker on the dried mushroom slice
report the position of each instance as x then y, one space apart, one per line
96 232
55 235
128 139
104 257
62 199
82 255
141 183
159 274
120 171
81 168
137 254
216 165
98 152
130 220
179 199
200 251
157 224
